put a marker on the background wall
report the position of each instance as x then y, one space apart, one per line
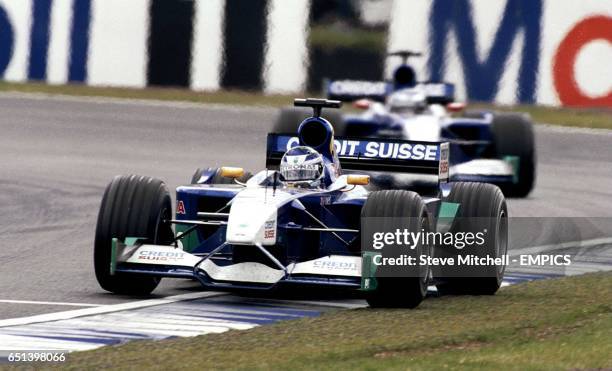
554 52
530 51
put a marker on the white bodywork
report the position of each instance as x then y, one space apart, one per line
252 216
252 221
484 167
251 272
426 124
253 211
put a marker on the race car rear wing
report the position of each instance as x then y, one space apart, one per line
351 90
384 155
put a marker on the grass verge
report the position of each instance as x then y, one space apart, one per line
591 118
597 118
166 94
330 38
551 324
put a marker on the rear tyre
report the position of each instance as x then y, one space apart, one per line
216 178
481 207
513 136
132 206
289 120
399 291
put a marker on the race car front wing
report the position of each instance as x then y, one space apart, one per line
135 256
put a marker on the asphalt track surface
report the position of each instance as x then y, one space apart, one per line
57 154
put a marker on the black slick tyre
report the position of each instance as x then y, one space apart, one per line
513 136
132 206
482 209
390 209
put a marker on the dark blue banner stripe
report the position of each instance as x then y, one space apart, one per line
39 39
170 35
6 41
79 40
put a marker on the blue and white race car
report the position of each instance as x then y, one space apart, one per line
490 147
303 221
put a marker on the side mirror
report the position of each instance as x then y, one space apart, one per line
231 172
362 103
455 106
356 179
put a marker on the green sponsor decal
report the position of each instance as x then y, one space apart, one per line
116 245
190 241
113 257
514 161
446 215
368 271
448 210
131 241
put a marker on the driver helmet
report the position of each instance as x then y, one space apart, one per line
302 166
407 101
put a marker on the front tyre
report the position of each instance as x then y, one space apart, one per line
132 206
385 209
513 136
482 209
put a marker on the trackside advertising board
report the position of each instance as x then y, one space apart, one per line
552 52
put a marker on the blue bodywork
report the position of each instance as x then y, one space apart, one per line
470 137
335 208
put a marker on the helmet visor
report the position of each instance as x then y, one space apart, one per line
300 172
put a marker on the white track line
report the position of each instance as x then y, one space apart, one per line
560 246
323 303
105 309
51 303
197 295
